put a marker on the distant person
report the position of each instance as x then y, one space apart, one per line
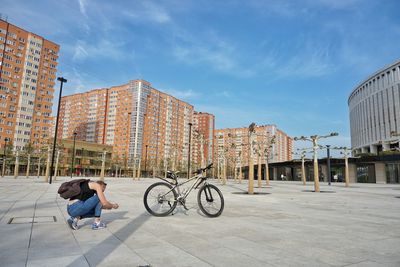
88 204
335 178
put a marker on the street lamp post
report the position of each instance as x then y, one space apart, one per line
328 159
145 161
82 159
303 171
328 162
62 81
73 155
190 143
314 139
4 157
240 167
103 160
16 167
346 167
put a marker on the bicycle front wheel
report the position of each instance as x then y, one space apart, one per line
160 199
211 200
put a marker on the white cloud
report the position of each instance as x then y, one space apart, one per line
193 54
217 53
156 12
100 49
148 11
82 7
281 8
223 93
336 4
80 81
308 64
305 59
80 53
182 94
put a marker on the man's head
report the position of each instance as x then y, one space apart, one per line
103 184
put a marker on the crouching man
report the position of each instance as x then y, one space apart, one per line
88 204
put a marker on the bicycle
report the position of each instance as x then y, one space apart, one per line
161 198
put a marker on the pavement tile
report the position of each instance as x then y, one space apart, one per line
168 255
10 256
75 261
287 227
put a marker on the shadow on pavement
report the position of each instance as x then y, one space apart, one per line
108 218
122 234
322 191
247 193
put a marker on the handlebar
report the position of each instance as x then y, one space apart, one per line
203 169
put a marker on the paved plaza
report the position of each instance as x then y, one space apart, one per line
284 225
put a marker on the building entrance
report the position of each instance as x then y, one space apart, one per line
392 173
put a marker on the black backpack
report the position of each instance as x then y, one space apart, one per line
71 188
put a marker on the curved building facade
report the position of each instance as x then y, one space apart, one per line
374 107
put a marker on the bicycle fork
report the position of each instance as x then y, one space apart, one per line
207 191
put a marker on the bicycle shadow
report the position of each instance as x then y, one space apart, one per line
181 210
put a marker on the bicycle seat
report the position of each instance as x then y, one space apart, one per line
171 174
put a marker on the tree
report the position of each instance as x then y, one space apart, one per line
7 151
59 149
268 146
28 149
251 135
41 152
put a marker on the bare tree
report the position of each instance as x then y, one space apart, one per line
251 135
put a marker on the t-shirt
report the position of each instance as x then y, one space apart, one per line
86 192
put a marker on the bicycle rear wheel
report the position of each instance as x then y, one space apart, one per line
160 199
211 200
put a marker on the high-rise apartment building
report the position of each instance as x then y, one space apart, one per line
94 115
142 124
166 131
28 69
232 145
203 138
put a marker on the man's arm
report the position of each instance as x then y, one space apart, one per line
104 202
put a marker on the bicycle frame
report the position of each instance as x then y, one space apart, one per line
199 179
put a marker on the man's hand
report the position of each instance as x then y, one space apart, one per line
115 206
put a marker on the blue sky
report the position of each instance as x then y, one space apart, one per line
291 63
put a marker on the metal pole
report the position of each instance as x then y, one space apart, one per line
62 80
82 168
346 166
103 160
145 161
16 167
28 165
328 159
4 157
38 173
303 172
190 139
73 156
57 160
